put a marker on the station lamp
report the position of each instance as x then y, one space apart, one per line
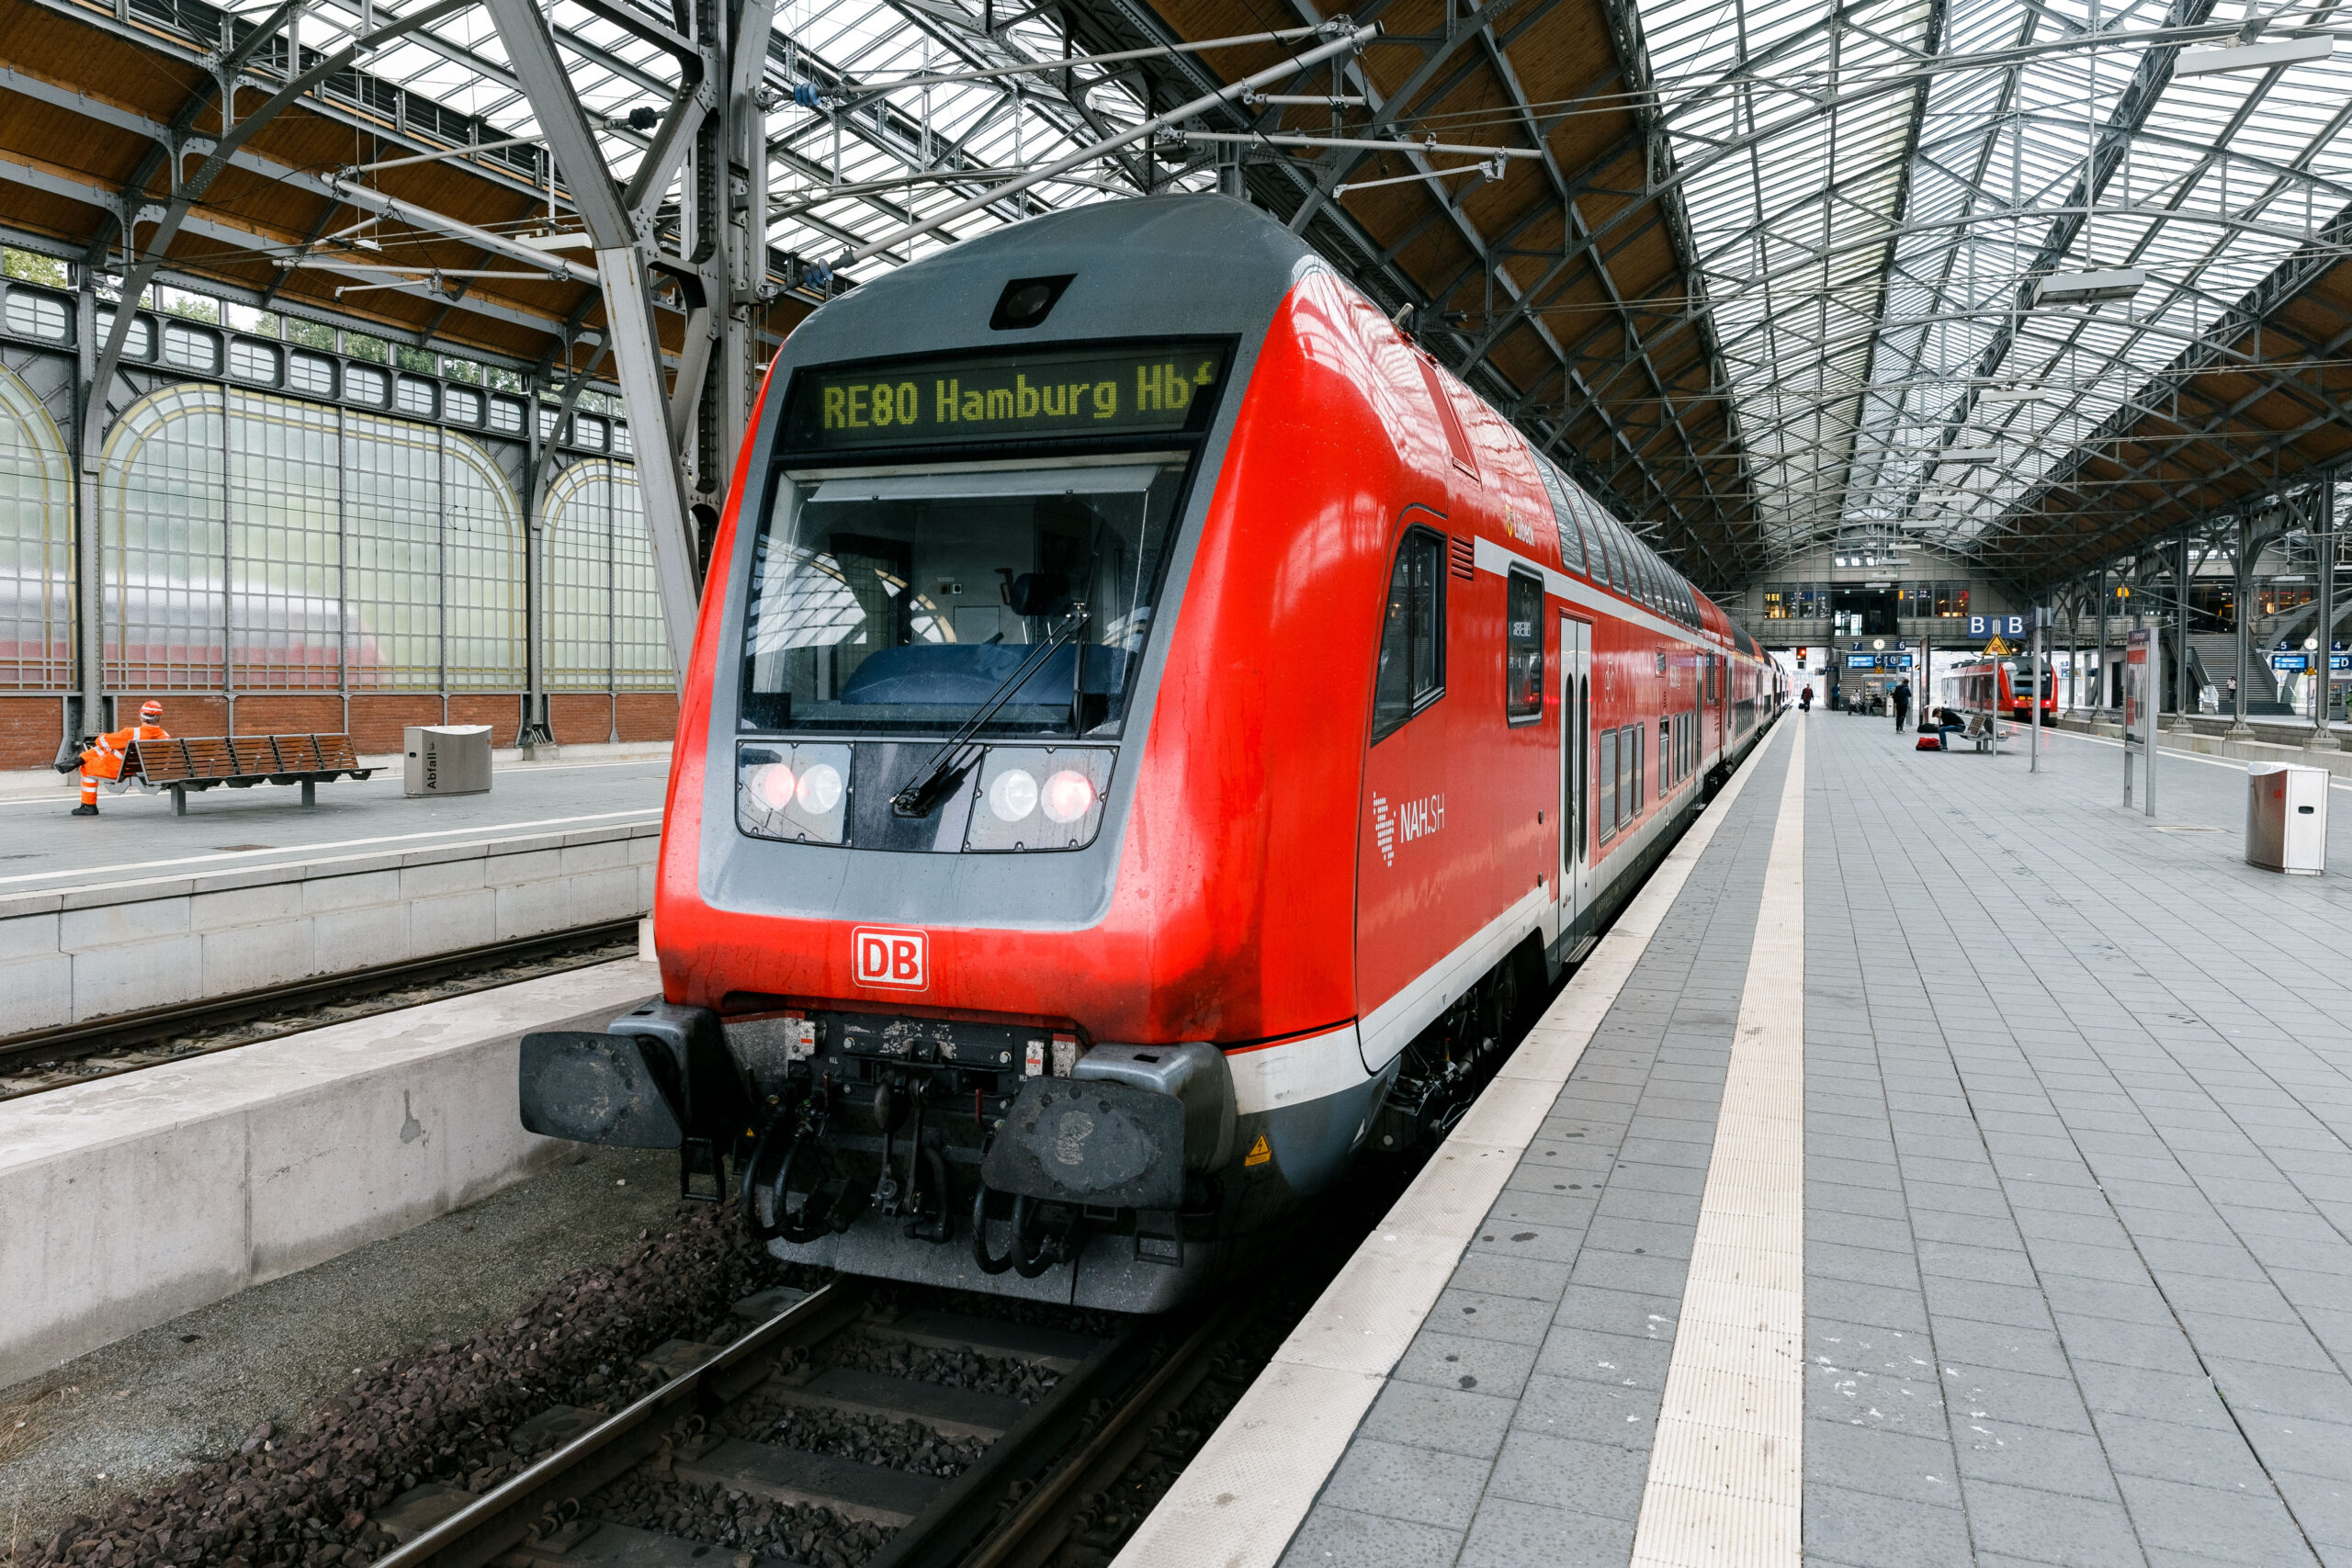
2252 56
2090 287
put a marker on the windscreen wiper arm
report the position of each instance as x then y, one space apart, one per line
948 765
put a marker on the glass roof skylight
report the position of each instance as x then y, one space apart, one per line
1869 202
866 163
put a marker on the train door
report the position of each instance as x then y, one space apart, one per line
1576 768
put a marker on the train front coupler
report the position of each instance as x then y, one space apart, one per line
659 1077
1133 1127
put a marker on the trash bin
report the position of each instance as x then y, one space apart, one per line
451 758
2285 818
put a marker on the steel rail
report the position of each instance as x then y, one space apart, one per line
505 1516
1037 1448
67 1042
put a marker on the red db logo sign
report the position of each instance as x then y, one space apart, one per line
890 955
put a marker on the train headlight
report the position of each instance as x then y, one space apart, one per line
796 793
1012 811
770 783
820 789
1012 794
1069 795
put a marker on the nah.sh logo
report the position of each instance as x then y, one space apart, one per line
1413 819
889 956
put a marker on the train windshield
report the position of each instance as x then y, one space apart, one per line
909 602
2022 680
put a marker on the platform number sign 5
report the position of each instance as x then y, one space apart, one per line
892 956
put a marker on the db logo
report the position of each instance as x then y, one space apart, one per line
890 955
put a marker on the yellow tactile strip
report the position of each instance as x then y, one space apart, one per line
1726 1477
1246 1493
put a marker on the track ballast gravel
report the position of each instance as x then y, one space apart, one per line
436 1413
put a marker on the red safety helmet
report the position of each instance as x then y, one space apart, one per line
150 712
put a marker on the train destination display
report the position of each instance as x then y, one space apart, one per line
1006 398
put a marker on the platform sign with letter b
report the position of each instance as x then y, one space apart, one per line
1997 625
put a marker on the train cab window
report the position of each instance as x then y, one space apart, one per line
1524 653
903 603
1606 769
1411 672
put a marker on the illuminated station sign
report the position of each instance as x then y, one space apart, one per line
995 397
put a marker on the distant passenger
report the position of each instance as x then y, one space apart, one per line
1902 703
103 758
1804 700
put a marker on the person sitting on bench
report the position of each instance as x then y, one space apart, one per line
101 758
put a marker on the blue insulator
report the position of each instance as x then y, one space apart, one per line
805 94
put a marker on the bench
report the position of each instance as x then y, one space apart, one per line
185 763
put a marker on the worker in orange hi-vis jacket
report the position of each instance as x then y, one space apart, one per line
103 758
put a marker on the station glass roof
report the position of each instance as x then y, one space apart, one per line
860 167
1874 188
1876 206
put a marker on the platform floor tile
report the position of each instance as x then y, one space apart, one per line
2077 1242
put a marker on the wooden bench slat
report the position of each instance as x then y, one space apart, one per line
185 759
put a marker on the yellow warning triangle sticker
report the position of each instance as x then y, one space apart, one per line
1258 1153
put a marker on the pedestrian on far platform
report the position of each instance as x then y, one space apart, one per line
1902 703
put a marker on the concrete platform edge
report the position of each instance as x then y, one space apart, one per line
134 1198
70 956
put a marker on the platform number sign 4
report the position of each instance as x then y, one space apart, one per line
893 956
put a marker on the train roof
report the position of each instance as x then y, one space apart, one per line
1174 266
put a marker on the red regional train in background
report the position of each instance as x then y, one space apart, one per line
1150 732
2001 688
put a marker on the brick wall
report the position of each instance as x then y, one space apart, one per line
377 718
579 718
502 711
29 731
185 712
291 712
649 715
29 727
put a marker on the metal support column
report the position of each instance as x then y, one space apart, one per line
619 225
2242 611
2184 700
2105 687
2324 739
89 562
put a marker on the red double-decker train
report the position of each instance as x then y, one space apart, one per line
1150 731
2001 688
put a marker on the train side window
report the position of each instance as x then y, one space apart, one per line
1411 673
1564 515
1524 653
1639 734
1606 771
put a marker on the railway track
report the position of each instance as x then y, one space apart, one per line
50 1058
1104 1397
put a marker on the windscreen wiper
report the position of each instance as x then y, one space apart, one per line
948 765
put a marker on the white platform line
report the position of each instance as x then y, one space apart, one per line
1248 1489
257 857
1726 1479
